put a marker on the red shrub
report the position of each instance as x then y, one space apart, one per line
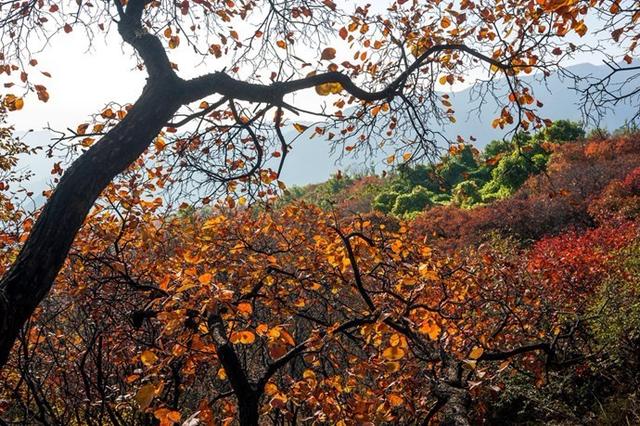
632 181
572 264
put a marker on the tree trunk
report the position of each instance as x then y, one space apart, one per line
248 409
31 276
452 390
456 410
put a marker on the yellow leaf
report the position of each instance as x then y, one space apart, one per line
244 337
18 104
270 389
581 29
393 353
427 272
442 79
470 364
406 156
145 395
148 358
431 329
191 258
328 89
391 159
222 375
476 352
300 128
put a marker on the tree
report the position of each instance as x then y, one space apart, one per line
226 140
415 201
563 131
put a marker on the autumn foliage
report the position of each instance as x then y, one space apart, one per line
295 314
168 280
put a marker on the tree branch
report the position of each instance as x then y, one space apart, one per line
223 84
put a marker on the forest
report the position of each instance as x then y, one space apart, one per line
169 275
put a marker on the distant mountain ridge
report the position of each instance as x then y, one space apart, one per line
311 160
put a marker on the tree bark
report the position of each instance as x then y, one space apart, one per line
31 276
452 390
248 409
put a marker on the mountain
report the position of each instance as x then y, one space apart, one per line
311 159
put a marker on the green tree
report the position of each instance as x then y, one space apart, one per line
385 201
416 201
563 131
466 194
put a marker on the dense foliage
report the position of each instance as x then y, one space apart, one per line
162 283
464 177
524 308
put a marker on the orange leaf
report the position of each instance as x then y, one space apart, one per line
245 308
148 358
328 54
205 278
476 352
393 353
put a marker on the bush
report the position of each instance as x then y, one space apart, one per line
466 194
416 201
563 131
385 201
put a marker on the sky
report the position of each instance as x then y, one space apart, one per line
86 77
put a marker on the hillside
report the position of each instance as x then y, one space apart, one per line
311 160
565 234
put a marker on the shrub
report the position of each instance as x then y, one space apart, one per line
416 201
385 201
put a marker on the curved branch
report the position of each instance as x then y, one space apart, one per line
223 84
146 45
